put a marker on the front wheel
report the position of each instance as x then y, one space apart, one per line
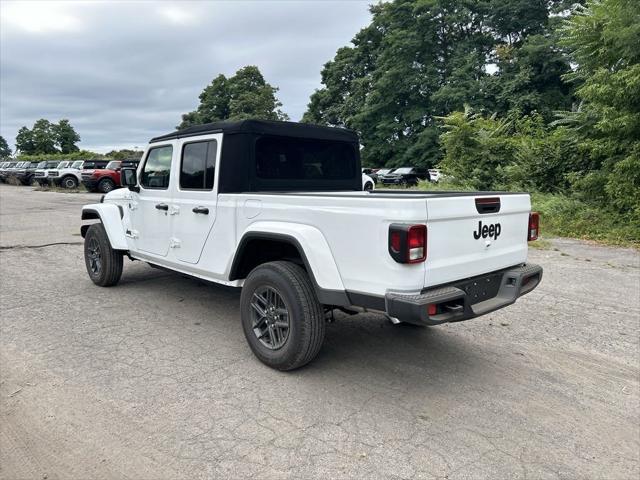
69 182
104 264
106 185
368 186
281 317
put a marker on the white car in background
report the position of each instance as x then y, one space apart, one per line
68 176
435 175
42 172
367 182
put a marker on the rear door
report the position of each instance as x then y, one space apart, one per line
195 196
469 235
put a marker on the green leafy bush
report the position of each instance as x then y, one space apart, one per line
80 155
566 216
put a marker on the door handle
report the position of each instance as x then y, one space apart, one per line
162 206
202 210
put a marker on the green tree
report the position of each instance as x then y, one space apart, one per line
5 151
24 141
529 79
44 137
421 59
252 97
65 136
604 41
514 152
124 154
244 95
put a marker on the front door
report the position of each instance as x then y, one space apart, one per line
150 209
195 196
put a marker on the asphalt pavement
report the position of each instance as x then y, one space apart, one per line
153 379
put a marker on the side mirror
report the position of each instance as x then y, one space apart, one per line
129 179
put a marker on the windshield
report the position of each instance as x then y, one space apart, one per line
42 164
404 170
113 165
63 164
384 171
77 164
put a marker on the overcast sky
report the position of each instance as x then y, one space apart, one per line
123 71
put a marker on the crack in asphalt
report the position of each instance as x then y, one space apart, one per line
19 247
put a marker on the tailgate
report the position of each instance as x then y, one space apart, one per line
475 234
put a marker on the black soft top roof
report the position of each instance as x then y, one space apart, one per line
265 127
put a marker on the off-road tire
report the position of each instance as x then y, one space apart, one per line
69 182
306 315
106 185
110 268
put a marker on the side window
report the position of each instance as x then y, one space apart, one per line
197 169
157 168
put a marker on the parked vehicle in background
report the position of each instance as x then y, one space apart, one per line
372 173
434 175
25 173
367 183
106 179
277 208
42 172
405 176
6 170
383 171
17 172
67 177
89 167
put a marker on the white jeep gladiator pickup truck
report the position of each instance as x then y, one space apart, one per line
278 208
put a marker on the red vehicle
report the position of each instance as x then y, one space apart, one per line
106 179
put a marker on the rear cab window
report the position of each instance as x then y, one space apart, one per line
285 158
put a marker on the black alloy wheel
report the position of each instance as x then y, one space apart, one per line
270 318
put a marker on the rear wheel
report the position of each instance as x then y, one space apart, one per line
104 264
69 182
106 185
368 186
281 317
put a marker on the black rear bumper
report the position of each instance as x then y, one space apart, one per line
465 299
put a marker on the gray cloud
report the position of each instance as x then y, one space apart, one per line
123 72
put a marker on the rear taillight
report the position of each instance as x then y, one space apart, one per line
534 226
408 243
